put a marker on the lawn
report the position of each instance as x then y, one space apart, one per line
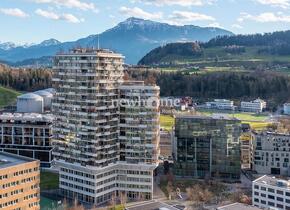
48 180
7 96
166 122
250 116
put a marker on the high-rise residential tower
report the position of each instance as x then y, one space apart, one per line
86 130
93 165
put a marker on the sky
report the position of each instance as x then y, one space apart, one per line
32 21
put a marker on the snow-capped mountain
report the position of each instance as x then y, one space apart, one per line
133 37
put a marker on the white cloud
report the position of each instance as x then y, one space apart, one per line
277 3
178 2
267 17
78 4
14 12
137 12
54 16
185 17
237 26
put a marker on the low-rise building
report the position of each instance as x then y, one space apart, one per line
27 134
272 153
19 182
257 105
222 104
271 193
207 147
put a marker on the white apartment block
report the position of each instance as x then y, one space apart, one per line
27 134
271 193
272 153
87 148
257 106
222 104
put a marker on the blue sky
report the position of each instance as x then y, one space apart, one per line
32 21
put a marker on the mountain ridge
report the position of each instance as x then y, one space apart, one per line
133 37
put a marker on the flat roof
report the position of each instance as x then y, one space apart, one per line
274 181
9 160
238 206
214 117
34 117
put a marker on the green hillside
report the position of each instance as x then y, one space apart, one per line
7 96
267 51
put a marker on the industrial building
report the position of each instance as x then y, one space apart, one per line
256 106
19 182
27 134
272 153
207 147
94 165
271 193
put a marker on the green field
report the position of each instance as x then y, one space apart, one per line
7 96
166 122
48 180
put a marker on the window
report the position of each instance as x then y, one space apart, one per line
280 206
271 197
271 190
263 202
280 199
271 203
256 187
280 192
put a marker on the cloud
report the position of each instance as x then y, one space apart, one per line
267 17
14 12
237 26
54 16
178 2
78 4
137 12
185 17
277 3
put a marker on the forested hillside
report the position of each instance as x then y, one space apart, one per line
24 79
269 47
274 87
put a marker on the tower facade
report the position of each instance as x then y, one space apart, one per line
86 129
87 149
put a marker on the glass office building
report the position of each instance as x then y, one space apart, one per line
207 147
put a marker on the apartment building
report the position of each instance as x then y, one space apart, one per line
222 104
272 153
247 150
271 193
256 106
166 144
27 134
95 162
19 182
139 138
86 129
207 147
